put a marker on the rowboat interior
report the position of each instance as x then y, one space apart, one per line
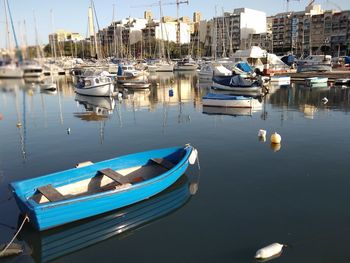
104 180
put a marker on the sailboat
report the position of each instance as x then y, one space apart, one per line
10 69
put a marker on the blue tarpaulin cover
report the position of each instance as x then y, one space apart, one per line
244 66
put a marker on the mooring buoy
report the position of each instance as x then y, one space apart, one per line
269 251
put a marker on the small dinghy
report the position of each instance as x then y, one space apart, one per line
59 198
225 100
316 80
235 83
345 82
59 242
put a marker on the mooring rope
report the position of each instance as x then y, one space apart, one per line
14 237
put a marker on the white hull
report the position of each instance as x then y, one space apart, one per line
185 67
161 68
245 103
10 71
135 85
104 90
280 80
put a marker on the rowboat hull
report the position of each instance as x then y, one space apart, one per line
51 214
52 244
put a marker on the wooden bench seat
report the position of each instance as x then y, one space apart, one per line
163 162
51 193
117 177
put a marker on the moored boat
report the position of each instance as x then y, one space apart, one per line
280 80
136 85
344 81
225 100
316 80
235 83
57 243
96 85
59 198
186 64
10 71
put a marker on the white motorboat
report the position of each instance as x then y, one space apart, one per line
98 84
31 69
226 100
280 80
318 63
161 66
11 71
186 64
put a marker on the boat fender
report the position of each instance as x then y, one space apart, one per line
83 164
12 250
269 251
120 96
276 138
324 100
193 156
19 124
171 92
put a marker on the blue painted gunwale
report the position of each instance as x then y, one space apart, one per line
52 214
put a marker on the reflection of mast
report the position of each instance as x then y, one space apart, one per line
102 131
60 104
44 109
19 125
119 112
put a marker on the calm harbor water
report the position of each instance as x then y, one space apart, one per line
250 194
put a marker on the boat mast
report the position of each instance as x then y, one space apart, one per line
8 40
14 33
53 42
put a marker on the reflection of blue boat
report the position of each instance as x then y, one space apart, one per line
49 245
75 194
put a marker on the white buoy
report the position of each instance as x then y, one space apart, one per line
262 133
269 251
68 130
324 100
275 138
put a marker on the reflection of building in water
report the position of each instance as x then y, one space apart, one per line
308 110
140 99
166 88
66 87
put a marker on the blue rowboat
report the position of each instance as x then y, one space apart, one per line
49 245
59 198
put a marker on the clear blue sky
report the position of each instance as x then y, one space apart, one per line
71 15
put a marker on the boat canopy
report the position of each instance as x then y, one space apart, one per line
244 66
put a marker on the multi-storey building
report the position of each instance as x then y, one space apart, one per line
232 31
